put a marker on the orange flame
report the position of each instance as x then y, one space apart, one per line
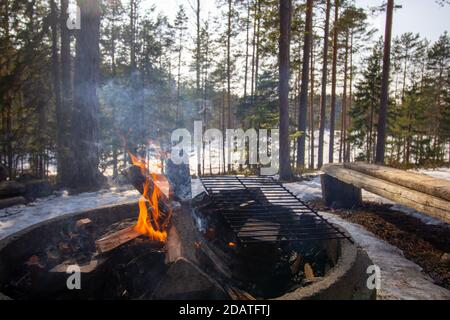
146 224
232 244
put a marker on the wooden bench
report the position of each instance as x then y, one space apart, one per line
342 184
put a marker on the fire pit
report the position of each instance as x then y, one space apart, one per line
244 238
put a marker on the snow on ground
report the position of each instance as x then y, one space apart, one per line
441 173
401 279
213 154
17 218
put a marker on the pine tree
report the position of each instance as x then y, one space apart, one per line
85 121
384 100
323 103
180 26
364 109
284 72
303 99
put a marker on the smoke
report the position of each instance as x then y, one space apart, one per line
139 110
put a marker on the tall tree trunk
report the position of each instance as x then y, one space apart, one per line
85 122
370 133
9 136
204 94
382 118
177 116
344 103
349 103
229 72
57 90
247 38
115 139
258 36
408 115
311 110
66 92
323 104
133 13
303 101
223 129
284 73
255 23
198 71
333 82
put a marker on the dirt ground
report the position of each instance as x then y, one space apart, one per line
426 245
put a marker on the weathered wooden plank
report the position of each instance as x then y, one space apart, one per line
433 186
431 205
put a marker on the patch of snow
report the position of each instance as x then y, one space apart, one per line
401 279
20 217
213 157
306 190
440 173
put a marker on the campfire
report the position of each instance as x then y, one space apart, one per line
155 209
243 238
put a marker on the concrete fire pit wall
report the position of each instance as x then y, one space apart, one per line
19 247
346 280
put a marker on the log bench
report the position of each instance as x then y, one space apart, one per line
342 184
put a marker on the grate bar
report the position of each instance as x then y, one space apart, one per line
261 209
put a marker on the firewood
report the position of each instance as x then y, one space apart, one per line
309 273
138 180
238 294
89 267
116 239
295 267
83 222
34 261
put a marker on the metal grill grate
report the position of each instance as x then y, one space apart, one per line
261 209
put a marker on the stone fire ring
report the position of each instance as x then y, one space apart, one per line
346 280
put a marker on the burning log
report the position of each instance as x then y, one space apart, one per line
116 239
155 209
140 179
